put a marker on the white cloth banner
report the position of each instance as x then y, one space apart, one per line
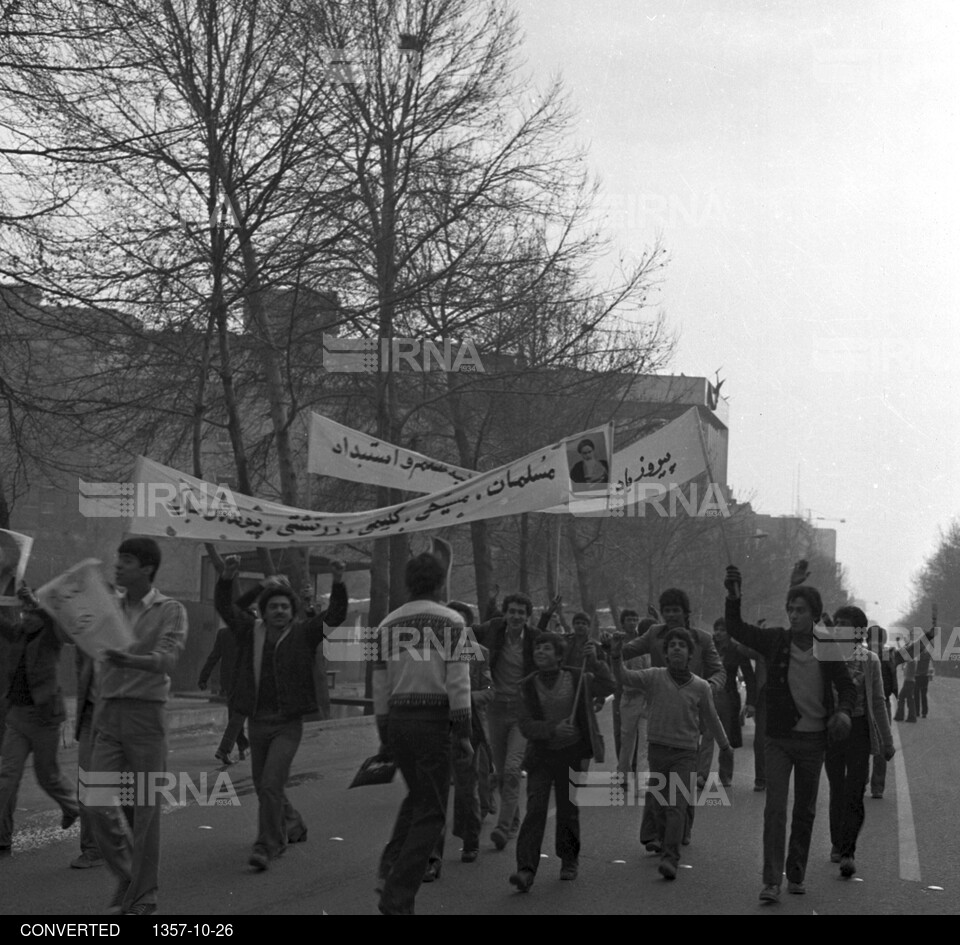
172 504
337 451
643 472
14 552
87 609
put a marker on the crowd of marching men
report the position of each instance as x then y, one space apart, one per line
524 706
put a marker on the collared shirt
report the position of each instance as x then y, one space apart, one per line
133 610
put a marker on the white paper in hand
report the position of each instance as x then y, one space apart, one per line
87 609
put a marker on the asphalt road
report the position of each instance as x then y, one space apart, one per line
908 856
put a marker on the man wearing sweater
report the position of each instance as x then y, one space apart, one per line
704 662
558 720
420 691
801 716
130 727
678 702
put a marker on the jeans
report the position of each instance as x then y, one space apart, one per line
672 800
878 774
920 695
551 769
847 765
801 755
759 741
273 746
421 748
129 736
30 732
508 746
906 700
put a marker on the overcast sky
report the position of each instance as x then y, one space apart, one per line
800 160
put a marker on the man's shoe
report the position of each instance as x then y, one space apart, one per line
224 758
759 785
654 846
116 904
523 880
847 867
86 861
259 861
797 889
300 837
469 856
433 871
568 871
834 854
667 870
499 838
69 819
142 908
770 894
685 842
877 795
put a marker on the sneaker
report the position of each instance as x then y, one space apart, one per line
86 861
258 860
654 846
847 867
499 839
523 880
770 894
69 819
469 856
224 758
835 855
797 889
142 908
667 870
568 871
116 904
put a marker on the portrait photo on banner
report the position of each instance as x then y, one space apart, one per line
589 459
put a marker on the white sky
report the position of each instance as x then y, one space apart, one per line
800 159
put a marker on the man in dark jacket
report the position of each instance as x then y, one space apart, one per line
274 687
800 717
35 710
224 652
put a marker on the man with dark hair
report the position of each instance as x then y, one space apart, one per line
31 689
274 688
129 724
509 640
877 638
801 713
705 663
419 692
558 721
680 703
